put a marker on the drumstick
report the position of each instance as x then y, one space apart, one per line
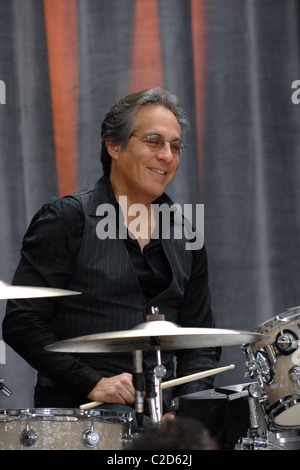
172 383
199 375
92 404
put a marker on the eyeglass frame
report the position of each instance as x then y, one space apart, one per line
161 145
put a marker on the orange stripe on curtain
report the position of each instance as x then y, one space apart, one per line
61 31
146 66
198 14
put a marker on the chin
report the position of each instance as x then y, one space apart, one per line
156 194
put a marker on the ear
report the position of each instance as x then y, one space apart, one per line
113 148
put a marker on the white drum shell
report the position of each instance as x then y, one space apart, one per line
283 395
62 429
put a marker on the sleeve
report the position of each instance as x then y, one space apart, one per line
196 312
48 252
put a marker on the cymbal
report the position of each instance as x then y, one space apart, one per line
8 291
147 336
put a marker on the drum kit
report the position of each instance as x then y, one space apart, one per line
272 352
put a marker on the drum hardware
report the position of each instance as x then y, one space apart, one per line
257 369
274 398
152 386
28 437
259 437
256 435
286 340
153 389
280 439
294 375
127 436
138 380
258 443
155 315
90 438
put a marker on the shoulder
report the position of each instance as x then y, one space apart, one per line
66 209
69 206
63 214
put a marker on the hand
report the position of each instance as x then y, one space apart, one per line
170 416
116 389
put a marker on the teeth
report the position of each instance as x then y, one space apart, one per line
156 170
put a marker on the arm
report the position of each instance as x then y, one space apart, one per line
49 250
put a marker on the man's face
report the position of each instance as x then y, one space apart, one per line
140 172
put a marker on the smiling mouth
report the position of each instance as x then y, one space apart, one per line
156 170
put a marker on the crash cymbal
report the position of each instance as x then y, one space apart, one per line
146 336
8 291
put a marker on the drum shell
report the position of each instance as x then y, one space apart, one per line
282 393
62 429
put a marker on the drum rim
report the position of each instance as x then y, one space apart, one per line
281 405
274 322
63 414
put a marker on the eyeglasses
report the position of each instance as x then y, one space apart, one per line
156 143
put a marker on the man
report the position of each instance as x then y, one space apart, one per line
120 277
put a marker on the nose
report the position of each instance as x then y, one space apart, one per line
165 153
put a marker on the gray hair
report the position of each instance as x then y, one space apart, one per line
120 122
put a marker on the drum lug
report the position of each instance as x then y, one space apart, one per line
90 438
260 366
286 342
250 363
257 391
28 437
294 375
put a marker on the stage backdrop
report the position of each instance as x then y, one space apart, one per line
232 63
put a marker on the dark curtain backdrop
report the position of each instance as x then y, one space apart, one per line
232 64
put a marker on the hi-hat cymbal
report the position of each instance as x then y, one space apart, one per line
146 336
8 291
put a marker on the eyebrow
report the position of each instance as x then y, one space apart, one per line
147 134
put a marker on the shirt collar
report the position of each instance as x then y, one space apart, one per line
103 193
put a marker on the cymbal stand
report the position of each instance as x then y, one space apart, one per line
154 391
258 434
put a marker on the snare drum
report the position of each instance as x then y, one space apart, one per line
63 429
277 367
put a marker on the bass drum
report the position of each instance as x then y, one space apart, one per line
277 368
64 429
